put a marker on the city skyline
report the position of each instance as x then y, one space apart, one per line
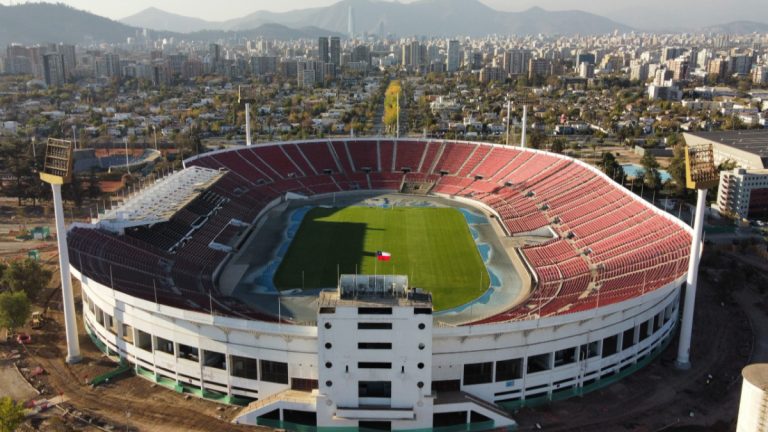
652 15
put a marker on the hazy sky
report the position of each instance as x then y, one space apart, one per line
645 14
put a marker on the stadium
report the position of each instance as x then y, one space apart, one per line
380 283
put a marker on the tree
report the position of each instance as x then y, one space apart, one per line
11 414
14 309
611 166
558 145
650 165
27 276
677 167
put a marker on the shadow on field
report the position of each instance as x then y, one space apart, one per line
321 250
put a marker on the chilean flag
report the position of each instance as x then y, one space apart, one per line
383 256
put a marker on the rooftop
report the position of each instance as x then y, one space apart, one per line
161 200
375 291
752 141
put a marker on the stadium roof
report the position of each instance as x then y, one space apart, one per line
161 200
751 141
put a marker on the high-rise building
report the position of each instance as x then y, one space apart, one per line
586 70
760 74
584 57
70 59
740 64
214 56
335 57
680 69
416 57
53 69
323 51
453 56
113 69
718 67
638 70
361 54
17 61
743 193
703 58
263 65
405 55
516 61
351 22
670 53
490 73
539 67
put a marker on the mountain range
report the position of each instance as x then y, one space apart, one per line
31 23
421 17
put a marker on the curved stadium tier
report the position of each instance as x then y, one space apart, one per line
195 280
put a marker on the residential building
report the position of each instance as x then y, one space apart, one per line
743 193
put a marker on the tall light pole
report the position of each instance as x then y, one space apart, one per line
509 114
525 121
127 166
397 99
700 174
154 130
57 170
246 101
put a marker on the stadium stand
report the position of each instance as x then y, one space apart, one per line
609 245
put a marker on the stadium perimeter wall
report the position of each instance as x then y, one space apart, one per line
639 327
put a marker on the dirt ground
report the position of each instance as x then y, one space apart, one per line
661 398
130 403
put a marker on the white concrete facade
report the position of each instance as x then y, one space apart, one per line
510 363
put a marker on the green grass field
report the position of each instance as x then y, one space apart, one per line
432 246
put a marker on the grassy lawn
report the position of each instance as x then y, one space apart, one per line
432 246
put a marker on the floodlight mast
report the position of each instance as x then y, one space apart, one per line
700 175
246 101
57 170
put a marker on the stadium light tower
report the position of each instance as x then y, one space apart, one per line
525 122
700 174
57 170
246 100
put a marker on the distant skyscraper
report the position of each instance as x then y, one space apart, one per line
113 69
322 49
539 67
740 64
584 57
453 56
70 60
53 69
586 70
415 61
351 22
214 54
335 58
516 61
